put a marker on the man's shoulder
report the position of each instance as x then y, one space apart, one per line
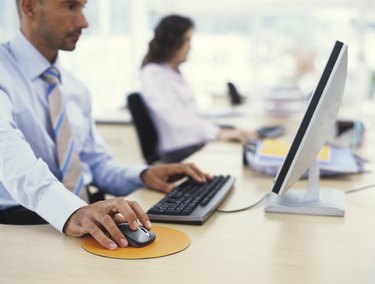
6 63
11 77
4 55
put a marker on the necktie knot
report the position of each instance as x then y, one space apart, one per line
52 75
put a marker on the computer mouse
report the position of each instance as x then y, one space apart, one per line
137 238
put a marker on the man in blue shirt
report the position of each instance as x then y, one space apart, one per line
30 175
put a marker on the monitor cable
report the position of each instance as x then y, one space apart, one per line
359 189
245 208
266 195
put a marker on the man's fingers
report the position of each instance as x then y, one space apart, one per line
110 226
127 212
162 177
101 237
203 176
119 218
194 172
142 216
100 219
159 184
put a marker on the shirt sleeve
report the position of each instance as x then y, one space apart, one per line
108 174
28 179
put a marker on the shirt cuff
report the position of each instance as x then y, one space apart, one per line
57 206
213 133
135 174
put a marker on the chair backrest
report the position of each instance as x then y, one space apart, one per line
234 96
145 128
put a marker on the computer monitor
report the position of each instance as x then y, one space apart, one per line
312 134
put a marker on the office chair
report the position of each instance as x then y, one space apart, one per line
145 128
148 136
234 96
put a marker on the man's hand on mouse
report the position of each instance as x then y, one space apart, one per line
162 177
100 220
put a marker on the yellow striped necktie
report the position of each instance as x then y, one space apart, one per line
67 157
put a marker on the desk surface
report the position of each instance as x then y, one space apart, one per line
244 247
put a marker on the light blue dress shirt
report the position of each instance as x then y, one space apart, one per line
29 174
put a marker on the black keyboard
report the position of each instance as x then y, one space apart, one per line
192 202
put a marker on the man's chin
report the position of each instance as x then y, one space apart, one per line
70 43
68 47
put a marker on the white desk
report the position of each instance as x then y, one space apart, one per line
245 247
116 116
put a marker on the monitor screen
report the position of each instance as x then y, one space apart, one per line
314 128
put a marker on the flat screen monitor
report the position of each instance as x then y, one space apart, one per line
312 134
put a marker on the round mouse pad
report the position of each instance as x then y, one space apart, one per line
168 241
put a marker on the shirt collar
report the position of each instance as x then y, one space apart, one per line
31 61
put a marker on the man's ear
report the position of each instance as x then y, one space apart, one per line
28 7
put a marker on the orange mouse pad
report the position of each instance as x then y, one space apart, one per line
168 241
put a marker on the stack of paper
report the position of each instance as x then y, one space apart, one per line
266 156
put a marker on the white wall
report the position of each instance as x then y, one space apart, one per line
256 44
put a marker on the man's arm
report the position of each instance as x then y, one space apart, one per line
28 179
107 173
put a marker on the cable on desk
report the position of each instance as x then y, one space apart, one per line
244 208
359 189
265 196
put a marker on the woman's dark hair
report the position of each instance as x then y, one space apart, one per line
168 38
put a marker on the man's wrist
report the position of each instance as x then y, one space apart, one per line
69 219
143 174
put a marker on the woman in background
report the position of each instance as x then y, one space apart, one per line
169 98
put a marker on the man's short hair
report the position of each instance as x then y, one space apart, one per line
18 4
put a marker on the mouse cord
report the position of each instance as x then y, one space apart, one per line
266 195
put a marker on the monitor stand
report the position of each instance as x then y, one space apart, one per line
313 201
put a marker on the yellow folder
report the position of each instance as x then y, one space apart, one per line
279 148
